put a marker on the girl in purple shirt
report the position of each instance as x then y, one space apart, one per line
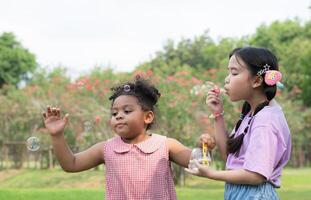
259 147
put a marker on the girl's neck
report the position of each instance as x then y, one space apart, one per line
256 101
137 139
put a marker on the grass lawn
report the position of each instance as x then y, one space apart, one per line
58 185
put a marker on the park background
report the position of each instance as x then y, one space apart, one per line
178 69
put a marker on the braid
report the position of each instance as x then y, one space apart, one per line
235 143
255 60
245 109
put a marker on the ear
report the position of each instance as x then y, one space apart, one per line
257 81
148 118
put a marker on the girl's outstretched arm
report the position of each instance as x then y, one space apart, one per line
178 153
84 160
238 176
69 162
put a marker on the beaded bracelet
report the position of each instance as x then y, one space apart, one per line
215 115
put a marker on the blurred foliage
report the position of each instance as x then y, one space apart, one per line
175 70
16 62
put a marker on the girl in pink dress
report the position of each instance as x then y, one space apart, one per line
137 162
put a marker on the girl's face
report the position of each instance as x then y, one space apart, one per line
128 119
238 83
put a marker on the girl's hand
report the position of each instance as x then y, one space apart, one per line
53 121
214 101
208 139
200 170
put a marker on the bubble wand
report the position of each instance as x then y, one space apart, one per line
204 152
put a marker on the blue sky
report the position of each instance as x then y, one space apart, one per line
81 34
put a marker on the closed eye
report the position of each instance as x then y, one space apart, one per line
233 72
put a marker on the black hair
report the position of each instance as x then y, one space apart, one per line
146 94
255 59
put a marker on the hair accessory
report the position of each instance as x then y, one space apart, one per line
266 68
280 85
126 88
272 77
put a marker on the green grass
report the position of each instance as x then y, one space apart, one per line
56 184
51 194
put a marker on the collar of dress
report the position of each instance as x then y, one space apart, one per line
148 146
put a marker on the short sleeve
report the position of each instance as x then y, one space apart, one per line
261 152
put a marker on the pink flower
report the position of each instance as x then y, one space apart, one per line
149 73
98 119
80 83
96 82
170 78
195 80
138 73
88 87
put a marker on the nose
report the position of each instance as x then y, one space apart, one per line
119 116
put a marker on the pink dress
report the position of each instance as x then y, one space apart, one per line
138 171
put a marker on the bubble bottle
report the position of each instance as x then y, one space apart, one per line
201 155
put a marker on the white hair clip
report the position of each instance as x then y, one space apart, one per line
126 88
266 67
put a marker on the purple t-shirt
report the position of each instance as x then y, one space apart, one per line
266 147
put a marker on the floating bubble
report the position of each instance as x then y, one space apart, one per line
33 143
87 126
206 87
209 85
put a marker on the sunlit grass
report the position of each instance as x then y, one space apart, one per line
89 185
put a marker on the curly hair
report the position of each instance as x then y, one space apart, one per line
146 94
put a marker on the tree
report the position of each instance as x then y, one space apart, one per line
16 62
290 41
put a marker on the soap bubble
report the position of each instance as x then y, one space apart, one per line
205 88
87 126
33 143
